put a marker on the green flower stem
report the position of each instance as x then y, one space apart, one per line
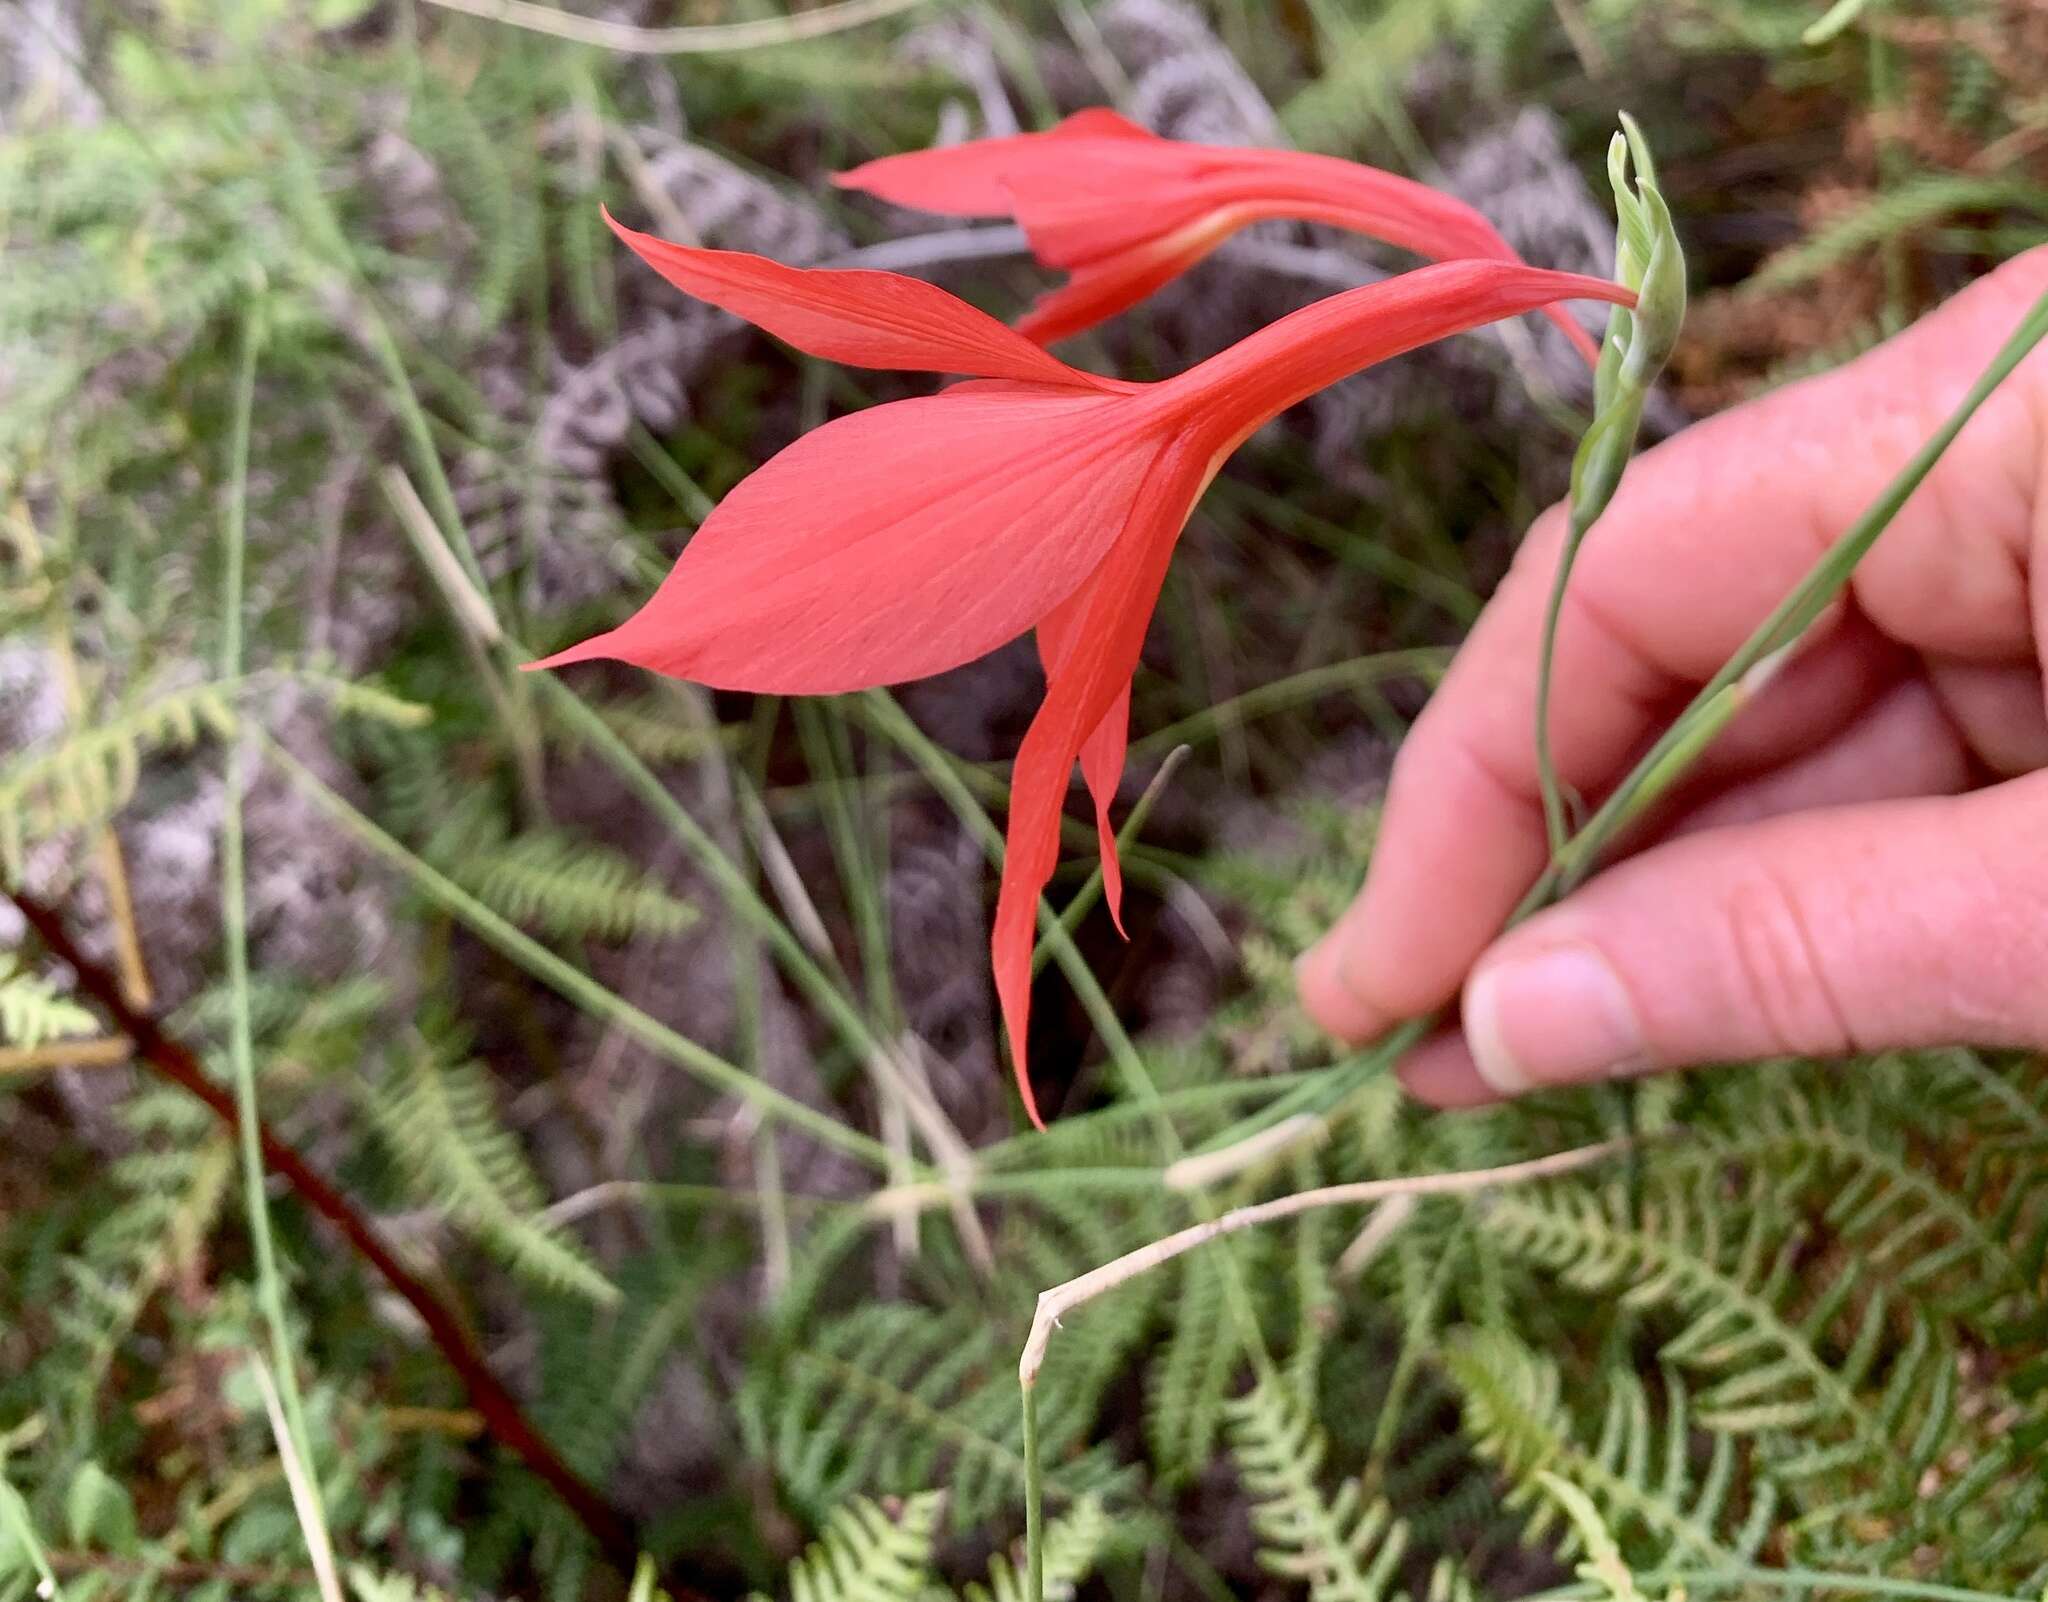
1681 745
1787 624
235 937
1647 259
1034 1500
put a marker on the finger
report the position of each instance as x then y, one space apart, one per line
1903 746
1889 925
1999 712
1708 532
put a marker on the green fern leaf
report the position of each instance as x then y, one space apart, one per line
33 1011
571 888
82 777
1188 1386
895 1396
1343 1548
1074 1543
442 1123
1642 1478
866 1555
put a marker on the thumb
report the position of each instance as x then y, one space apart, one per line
1863 928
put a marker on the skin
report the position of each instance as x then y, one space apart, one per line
1862 861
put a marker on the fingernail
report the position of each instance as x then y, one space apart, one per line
1322 981
1557 1016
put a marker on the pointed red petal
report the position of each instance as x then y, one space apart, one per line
897 542
1122 248
1102 765
1096 291
1102 754
1290 359
966 180
1106 628
861 318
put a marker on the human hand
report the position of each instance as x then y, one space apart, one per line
1861 860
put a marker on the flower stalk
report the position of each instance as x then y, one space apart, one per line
1311 1103
1647 259
1774 639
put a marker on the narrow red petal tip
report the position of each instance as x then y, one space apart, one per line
1114 900
593 649
1030 1101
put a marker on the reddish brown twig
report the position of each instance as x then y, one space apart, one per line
503 1417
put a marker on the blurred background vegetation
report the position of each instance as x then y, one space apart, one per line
652 1030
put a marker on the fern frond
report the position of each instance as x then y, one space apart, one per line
442 1122
1640 1476
472 162
1604 1564
1850 1389
1913 204
1835 1162
1188 1385
1343 1548
33 1011
895 1396
82 777
865 1555
1052 1238
572 888
654 728
1074 1543
166 1197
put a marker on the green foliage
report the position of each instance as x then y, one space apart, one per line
570 888
80 778
1074 1544
1341 1547
33 1011
1896 215
1808 1330
875 1552
866 1554
895 1396
1639 1471
1189 1387
442 1122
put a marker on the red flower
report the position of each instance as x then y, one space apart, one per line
914 536
1124 211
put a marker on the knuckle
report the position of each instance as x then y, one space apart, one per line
1780 972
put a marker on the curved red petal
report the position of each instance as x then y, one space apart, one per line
1096 291
966 180
1102 766
1088 222
897 542
1098 186
1105 632
859 317
1102 753
1310 349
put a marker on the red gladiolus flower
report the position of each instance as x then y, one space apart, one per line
914 536
1124 211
